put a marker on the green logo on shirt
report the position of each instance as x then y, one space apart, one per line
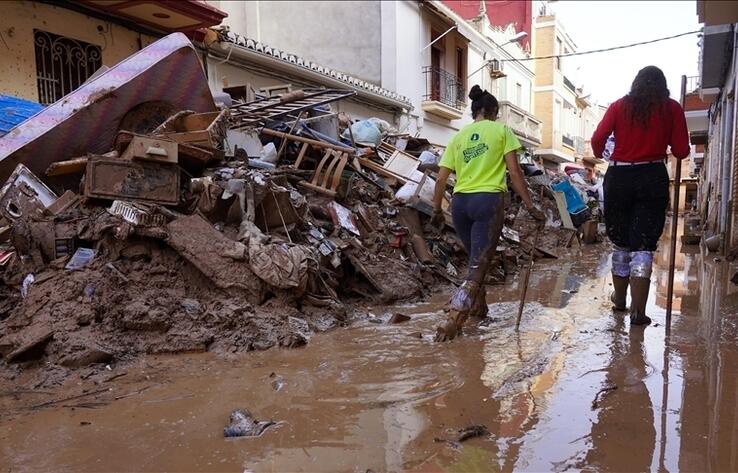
474 152
475 137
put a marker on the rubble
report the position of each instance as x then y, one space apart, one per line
174 237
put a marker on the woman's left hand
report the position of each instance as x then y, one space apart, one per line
536 213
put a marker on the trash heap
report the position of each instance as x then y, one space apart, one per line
249 226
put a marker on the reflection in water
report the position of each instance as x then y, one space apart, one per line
623 437
686 282
374 397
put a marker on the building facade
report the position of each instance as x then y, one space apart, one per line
423 56
50 50
718 85
556 97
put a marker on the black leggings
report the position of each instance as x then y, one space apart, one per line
478 219
636 198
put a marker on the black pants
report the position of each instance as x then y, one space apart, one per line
636 198
478 219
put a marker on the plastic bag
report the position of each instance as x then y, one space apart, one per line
268 153
428 157
406 192
365 133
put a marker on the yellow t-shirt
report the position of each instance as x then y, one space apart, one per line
477 155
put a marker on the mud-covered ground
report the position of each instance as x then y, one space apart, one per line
576 388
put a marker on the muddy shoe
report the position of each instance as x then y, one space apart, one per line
637 318
639 288
451 328
618 297
480 308
615 306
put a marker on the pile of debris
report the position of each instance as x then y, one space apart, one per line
248 226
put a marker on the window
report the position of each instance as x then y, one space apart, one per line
518 94
62 64
559 49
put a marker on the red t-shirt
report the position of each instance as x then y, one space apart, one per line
636 143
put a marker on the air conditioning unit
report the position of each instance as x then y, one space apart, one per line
495 69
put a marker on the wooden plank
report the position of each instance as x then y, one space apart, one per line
72 166
316 143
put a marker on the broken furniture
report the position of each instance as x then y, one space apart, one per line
87 120
202 129
271 108
119 179
24 194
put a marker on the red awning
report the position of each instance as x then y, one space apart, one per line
166 16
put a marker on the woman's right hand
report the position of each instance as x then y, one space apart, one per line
438 220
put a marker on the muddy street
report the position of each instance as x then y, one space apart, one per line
577 388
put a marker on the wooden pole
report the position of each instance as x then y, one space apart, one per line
526 277
301 139
674 224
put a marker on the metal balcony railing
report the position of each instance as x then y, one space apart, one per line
444 87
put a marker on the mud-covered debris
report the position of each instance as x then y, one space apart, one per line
31 347
243 424
87 355
472 431
398 318
277 382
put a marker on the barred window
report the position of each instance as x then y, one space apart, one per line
62 64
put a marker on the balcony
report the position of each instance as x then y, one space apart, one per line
567 141
444 94
523 124
693 84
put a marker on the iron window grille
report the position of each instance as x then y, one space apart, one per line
444 87
62 64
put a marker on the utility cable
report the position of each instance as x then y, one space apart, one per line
604 49
581 53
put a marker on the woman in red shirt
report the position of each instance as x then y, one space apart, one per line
645 122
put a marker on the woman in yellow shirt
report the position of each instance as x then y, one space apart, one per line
479 154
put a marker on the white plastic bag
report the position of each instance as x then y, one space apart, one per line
268 153
364 133
406 192
428 157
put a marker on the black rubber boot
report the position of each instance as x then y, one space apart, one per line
618 297
639 288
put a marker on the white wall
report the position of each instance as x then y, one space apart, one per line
220 73
345 36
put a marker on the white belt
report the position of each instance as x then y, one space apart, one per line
623 163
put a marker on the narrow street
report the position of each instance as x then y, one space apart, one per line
577 388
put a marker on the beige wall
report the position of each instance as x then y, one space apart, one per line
544 111
18 61
544 46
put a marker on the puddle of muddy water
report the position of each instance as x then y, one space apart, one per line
375 396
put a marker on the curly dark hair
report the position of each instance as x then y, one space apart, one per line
647 93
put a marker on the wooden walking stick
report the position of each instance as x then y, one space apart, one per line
674 222
526 277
